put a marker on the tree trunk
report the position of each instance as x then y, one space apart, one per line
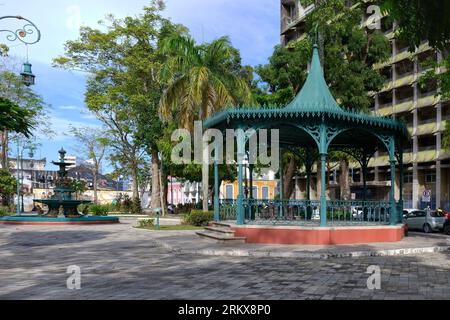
134 176
155 196
4 155
94 173
344 185
288 179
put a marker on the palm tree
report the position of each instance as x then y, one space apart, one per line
202 79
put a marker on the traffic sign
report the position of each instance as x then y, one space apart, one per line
426 196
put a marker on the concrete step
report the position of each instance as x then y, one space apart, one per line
220 224
220 237
220 229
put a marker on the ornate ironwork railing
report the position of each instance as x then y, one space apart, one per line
227 209
281 212
357 211
307 212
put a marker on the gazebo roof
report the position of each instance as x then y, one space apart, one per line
315 96
313 103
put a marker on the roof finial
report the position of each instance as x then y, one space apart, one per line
316 34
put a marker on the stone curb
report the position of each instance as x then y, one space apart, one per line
304 254
310 255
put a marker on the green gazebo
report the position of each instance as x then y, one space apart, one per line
315 122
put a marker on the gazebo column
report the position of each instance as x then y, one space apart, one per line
250 169
323 165
364 177
240 159
392 191
323 197
216 192
401 171
281 184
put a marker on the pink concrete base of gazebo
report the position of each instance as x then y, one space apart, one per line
319 235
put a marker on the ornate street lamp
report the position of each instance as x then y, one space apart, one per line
24 34
27 75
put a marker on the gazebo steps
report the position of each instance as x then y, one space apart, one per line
220 224
220 232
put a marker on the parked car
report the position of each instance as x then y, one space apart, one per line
446 213
447 226
357 212
407 211
425 220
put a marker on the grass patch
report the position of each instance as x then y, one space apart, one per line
172 228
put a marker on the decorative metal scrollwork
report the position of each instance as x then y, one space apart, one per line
22 33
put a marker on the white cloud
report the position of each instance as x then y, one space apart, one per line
61 128
69 108
73 20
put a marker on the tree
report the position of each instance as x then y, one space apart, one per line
8 186
348 53
32 107
14 118
123 63
93 144
202 79
446 137
79 186
421 19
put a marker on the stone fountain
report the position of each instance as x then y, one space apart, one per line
62 205
62 201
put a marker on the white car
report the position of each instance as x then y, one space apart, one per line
357 212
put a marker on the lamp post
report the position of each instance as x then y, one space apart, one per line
23 34
19 165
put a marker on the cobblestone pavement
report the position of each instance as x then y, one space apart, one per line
120 262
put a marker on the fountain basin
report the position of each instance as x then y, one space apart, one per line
69 205
42 220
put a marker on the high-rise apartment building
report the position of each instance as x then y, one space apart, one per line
427 164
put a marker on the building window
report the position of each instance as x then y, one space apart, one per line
430 177
229 191
408 177
255 193
265 193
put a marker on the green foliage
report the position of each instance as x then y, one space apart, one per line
185 208
136 206
421 19
146 223
446 137
347 53
124 89
8 184
123 203
83 208
198 218
5 211
14 117
31 105
282 77
99 209
79 186
202 79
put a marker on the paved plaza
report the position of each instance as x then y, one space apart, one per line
121 262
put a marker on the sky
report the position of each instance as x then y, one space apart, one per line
252 25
